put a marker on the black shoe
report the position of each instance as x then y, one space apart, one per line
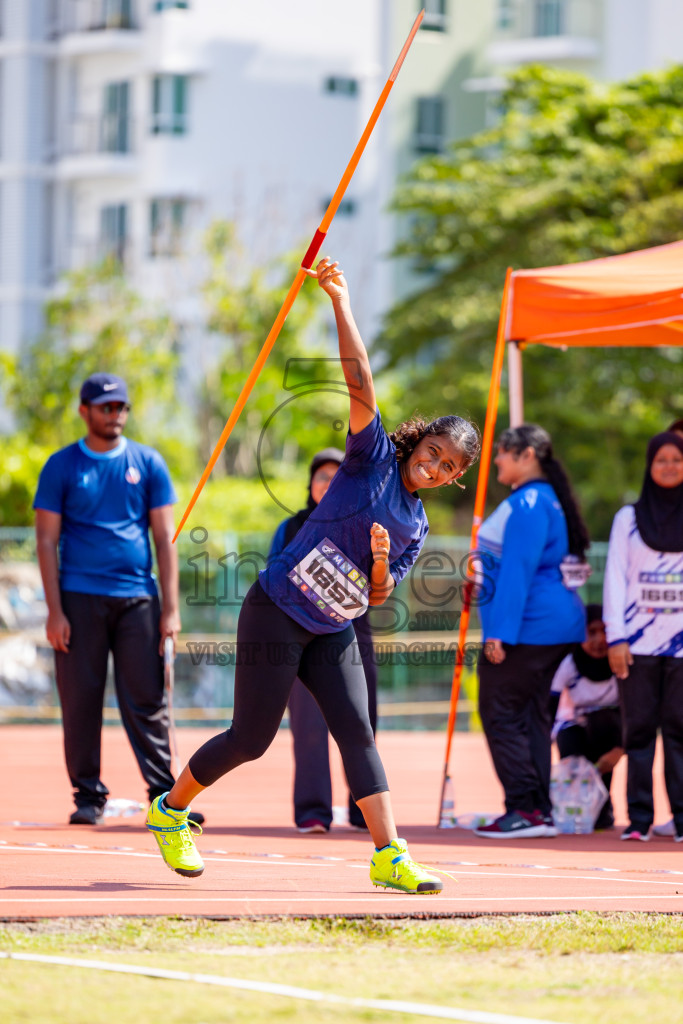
639 833
604 821
89 814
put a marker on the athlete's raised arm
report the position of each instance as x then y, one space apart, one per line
355 362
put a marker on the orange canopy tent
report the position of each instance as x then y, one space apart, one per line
635 299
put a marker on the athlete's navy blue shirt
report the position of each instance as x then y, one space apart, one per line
104 499
366 489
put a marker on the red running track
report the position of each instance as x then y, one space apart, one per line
257 864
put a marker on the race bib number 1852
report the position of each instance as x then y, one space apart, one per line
332 582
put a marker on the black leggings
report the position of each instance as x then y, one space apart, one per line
651 697
514 704
264 674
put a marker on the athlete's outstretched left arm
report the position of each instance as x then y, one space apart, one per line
354 357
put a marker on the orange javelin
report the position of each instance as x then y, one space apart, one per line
479 503
307 261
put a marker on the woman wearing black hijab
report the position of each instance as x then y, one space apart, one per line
312 780
643 603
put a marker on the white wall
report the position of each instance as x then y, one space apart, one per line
641 35
23 173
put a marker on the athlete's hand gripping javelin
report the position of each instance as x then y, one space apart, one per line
352 352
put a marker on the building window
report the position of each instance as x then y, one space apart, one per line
118 14
429 133
113 231
52 19
549 17
505 15
169 104
346 208
48 234
103 14
167 225
166 5
435 15
341 86
115 125
50 123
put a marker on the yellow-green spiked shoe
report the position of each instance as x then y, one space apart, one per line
394 868
176 841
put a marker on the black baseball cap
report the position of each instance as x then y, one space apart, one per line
103 387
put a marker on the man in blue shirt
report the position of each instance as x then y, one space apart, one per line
96 502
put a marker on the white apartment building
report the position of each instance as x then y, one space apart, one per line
609 39
127 126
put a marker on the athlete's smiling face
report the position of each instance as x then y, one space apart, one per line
435 461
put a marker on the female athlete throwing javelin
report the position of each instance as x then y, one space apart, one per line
358 543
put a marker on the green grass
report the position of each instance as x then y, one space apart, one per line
583 967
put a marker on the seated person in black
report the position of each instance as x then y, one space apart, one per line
588 721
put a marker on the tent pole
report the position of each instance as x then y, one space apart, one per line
479 504
515 384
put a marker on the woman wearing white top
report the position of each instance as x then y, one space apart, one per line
643 605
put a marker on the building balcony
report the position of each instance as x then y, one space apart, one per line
97 26
546 30
98 147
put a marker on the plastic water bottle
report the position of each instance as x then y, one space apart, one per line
560 818
474 820
564 817
447 819
120 808
584 815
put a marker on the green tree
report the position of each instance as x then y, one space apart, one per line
96 322
573 170
299 403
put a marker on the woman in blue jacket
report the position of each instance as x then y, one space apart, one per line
531 548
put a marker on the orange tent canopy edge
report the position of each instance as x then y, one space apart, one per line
634 299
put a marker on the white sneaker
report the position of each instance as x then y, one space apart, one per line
667 829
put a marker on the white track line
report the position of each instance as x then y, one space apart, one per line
379 899
327 864
562 878
43 848
288 991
